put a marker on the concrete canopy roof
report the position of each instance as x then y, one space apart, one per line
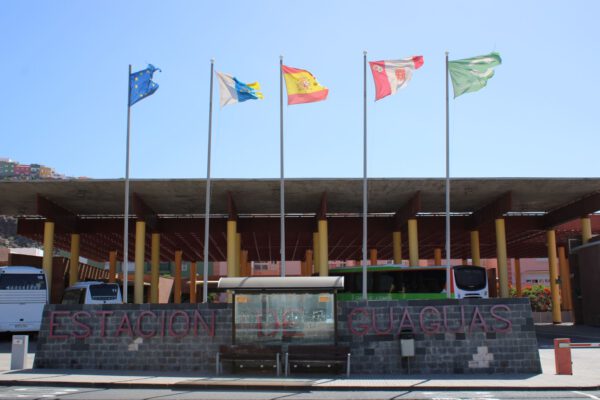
175 208
261 196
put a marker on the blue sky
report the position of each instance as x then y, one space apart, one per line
64 91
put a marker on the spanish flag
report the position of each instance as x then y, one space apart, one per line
302 87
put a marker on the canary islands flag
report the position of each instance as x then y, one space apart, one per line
141 84
302 87
233 91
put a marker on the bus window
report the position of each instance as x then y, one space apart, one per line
22 282
74 296
468 278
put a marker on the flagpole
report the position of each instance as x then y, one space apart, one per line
207 210
448 287
364 238
281 183
125 266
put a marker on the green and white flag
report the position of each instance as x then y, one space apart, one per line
472 74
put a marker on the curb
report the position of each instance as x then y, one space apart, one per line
283 386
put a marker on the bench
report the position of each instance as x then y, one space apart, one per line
320 356
249 356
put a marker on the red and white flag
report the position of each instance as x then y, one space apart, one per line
389 76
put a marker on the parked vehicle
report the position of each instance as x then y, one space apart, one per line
92 292
23 295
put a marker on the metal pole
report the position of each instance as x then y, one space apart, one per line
448 290
281 184
125 266
207 210
364 246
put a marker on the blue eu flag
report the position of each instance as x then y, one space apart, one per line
141 85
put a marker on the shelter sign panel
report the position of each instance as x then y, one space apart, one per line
273 318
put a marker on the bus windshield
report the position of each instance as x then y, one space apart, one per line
470 278
22 282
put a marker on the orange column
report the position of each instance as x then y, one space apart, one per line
373 256
308 261
112 266
177 283
193 282
518 277
437 256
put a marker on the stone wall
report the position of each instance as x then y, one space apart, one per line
451 336
168 337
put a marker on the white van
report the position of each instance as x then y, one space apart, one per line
92 292
23 295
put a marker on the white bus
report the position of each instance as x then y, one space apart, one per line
92 292
23 295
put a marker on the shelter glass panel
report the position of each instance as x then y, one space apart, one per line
275 318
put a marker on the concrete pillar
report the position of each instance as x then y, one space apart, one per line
74 261
397 246
231 248
112 266
373 256
140 251
308 260
518 284
586 229
155 267
437 256
475 255
323 249
501 257
554 291
413 243
48 252
316 253
193 282
565 280
177 283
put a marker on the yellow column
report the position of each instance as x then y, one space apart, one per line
475 255
193 282
413 243
74 261
48 251
177 283
308 259
231 248
140 251
556 317
565 280
323 249
518 283
316 253
373 256
586 230
437 256
238 255
112 266
501 257
244 270
155 267
397 246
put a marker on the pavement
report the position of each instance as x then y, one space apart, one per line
586 374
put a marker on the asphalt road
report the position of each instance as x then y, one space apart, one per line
74 393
